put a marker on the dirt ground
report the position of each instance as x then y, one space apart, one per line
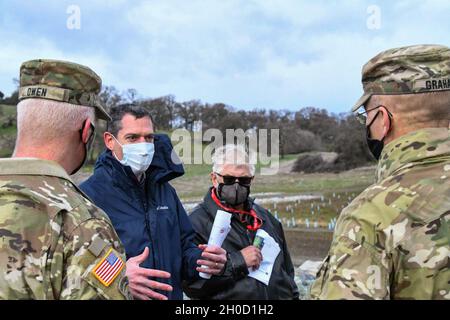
305 244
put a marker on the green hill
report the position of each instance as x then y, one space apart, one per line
7 110
8 129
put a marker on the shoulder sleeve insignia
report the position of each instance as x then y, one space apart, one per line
108 268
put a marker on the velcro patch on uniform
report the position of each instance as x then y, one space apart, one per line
108 268
97 245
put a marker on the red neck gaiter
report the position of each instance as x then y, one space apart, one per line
257 222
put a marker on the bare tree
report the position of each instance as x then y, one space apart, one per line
189 112
110 97
162 110
131 95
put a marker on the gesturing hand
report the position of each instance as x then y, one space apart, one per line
141 287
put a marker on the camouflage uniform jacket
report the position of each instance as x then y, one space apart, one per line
392 241
52 237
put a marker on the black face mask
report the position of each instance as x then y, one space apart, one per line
87 146
233 194
375 146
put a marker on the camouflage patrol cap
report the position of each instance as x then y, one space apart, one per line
61 81
406 70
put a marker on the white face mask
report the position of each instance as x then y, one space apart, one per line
138 156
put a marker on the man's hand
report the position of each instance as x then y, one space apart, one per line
252 256
214 258
141 287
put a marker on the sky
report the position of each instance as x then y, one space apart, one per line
273 54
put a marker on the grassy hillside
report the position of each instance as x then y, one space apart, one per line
7 130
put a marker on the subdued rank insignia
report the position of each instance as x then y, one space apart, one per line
97 246
108 268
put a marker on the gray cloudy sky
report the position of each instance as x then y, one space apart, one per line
279 54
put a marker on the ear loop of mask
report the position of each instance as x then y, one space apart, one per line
87 145
371 123
376 146
112 151
373 120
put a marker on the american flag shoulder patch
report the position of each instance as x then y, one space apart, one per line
108 268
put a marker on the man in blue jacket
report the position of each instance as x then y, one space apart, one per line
131 184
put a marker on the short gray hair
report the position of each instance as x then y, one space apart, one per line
231 154
43 120
419 108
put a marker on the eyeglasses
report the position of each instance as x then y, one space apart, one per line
246 181
362 116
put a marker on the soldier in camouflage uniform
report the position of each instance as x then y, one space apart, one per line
392 241
54 243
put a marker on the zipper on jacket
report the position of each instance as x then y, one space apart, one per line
242 231
145 192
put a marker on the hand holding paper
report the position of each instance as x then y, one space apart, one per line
270 250
252 256
220 229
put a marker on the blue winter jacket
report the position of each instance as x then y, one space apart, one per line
148 214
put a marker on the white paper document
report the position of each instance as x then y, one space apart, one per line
219 231
270 252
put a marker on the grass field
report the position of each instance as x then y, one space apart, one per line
8 110
298 200
196 181
7 134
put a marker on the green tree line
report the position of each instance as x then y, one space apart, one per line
306 130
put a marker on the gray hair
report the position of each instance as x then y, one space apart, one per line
427 108
231 154
44 120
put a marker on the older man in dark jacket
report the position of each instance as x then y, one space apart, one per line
231 178
131 184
